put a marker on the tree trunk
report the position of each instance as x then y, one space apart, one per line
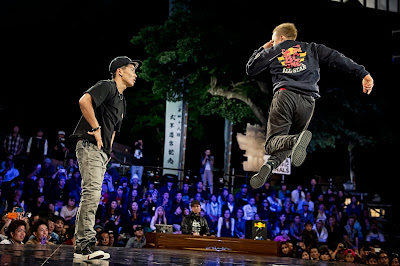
228 148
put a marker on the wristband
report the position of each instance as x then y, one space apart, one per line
95 129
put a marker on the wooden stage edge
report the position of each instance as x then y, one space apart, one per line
212 244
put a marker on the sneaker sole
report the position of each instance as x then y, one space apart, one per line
259 179
299 151
97 255
77 256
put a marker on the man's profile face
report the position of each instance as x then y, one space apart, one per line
128 75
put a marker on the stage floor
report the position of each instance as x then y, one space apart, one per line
63 255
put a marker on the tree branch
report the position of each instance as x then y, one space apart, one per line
232 94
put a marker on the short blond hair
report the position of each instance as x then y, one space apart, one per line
286 29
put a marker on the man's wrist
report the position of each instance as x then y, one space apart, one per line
95 129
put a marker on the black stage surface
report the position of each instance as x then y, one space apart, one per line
63 255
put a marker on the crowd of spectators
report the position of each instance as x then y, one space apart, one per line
38 205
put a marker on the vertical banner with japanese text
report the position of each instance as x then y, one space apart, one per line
173 136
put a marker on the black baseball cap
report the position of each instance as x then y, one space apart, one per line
121 61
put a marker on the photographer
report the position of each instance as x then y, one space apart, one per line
137 160
206 170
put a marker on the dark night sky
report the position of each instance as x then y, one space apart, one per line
54 50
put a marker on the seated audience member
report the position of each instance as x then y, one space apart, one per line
59 223
266 190
288 210
151 188
223 198
383 258
200 189
321 213
59 193
230 205
351 234
308 200
120 198
240 224
309 236
306 215
69 211
138 240
372 259
281 224
304 255
158 218
176 219
297 195
39 205
226 225
275 204
41 232
324 254
194 224
186 193
353 207
165 202
55 238
375 237
286 251
147 205
213 210
296 229
243 196
314 253
136 185
131 218
104 238
321 231
113 216
250 209
169 187
8 172
265 212
284 193
16 201
350 256
334 232
394 259
133 197
16 233
70 236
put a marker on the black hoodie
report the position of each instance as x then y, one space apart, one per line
295 65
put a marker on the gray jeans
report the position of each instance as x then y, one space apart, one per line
290 113
92 166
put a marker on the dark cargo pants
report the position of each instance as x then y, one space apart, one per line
289 114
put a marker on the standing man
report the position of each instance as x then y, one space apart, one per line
294 67
103 107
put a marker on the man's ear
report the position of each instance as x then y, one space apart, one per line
119 72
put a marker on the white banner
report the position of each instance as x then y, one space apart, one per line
173 134
284 168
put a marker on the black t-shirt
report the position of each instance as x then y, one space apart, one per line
109 108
